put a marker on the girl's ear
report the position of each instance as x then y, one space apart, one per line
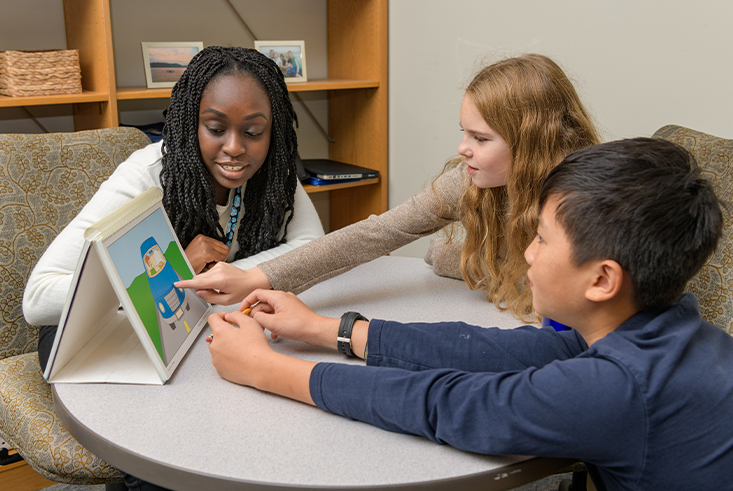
607 282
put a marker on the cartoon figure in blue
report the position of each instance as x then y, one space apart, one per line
170 302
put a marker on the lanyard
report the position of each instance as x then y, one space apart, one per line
233 216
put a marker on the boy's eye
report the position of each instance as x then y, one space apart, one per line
539 237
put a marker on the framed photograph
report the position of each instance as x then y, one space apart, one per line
165 62
289 56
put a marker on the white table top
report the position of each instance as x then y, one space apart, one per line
199 431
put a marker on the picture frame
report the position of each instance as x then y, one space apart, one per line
287 55
165 62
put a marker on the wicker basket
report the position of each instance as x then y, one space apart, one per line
47 72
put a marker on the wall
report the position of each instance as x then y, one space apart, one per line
637 66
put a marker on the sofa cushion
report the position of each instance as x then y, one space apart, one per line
28 422
713 285
44 181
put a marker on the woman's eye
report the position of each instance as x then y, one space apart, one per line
214 131
254 134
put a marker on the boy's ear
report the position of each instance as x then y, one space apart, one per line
607 281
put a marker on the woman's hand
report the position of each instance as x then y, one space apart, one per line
284 314
225 284
203 250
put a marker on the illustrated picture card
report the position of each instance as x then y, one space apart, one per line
149 260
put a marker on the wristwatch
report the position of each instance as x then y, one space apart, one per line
345 328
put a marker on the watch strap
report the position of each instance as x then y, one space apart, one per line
344 335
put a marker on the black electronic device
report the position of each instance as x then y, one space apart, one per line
333 170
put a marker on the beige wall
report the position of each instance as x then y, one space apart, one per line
638 65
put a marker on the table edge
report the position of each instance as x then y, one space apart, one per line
167 475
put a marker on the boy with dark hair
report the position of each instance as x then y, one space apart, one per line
641 389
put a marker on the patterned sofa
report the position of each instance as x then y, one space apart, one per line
44 181
713 285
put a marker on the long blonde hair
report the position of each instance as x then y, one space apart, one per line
532 104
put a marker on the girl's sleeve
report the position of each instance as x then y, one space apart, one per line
50 280
303 228
346 248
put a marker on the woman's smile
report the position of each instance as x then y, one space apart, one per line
232 166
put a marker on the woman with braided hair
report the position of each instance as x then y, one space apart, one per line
212 76
226 165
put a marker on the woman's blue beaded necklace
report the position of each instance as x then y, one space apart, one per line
233 216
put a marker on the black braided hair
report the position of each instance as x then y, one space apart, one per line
188 189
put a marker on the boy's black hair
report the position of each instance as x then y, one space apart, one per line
188 191
642 203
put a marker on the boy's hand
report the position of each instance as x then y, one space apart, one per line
238 353
243 356
203 250
226 284
286 315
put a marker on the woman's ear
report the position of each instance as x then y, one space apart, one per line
607 282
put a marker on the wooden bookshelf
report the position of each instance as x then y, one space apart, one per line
309 188
46 100
134 93
356 88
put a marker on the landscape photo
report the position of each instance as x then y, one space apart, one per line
168 64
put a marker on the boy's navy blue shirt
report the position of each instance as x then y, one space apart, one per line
646 407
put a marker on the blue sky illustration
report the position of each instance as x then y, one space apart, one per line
125 251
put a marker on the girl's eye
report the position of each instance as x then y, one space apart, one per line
253 134
214 131
480 139
539 237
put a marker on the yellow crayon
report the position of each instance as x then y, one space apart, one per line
249 309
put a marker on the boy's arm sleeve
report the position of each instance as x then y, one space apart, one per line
460 346
346 248
560 410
